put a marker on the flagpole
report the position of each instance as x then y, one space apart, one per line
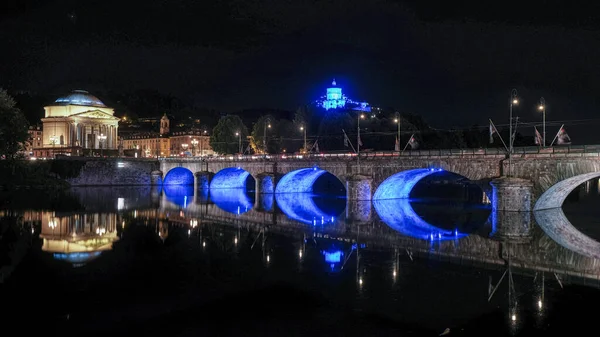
358 140
411 137
553 140
499 136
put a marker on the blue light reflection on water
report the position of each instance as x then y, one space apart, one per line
399 215
302 207
267 201
77 257
180 195
233 200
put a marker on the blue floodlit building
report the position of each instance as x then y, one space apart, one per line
335 99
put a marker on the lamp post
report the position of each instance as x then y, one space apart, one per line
194 144
397 121
267 125
360 115
542 108
239 134
512 101
102 139
184 146
302 128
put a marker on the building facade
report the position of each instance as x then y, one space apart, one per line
35 141
190 143
78 123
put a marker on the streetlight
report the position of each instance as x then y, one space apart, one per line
267 125
194 144
397 121
184 146
542 108
360 116
302 128
513 101
101 138
239 134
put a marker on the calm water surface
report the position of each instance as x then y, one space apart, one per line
174 261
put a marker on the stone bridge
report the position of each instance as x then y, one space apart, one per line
366 179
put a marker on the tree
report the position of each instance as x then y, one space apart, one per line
223 139
265 125
13 127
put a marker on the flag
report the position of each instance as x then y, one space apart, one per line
413 143
397 146
359 142
492 131
317 146
563 138
345 140
538 137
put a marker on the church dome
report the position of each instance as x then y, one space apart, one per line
80 97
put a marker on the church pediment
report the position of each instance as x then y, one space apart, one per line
98 114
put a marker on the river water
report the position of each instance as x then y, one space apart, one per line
174 261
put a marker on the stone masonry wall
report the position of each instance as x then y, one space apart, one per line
114 172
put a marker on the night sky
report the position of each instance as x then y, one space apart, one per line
452 62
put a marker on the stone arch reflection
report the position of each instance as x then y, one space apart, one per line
235 200
441 221
310 209
180 195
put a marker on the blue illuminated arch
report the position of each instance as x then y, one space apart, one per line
301 207
400 216
180 195
299 181
231 177
400 184
179 176
235 201
267 201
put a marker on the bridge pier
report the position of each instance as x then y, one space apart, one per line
156 178
265 191
202 180
359 187
358 211
511 208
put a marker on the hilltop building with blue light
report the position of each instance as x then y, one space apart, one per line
334 99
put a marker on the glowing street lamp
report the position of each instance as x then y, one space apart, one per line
102 139
542 108
360 116
267 125
194 144
239 134
302 128
397 121
512 101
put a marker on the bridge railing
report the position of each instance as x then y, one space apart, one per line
594 150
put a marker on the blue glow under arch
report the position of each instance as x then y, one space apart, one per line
299 181
231 177
400 216
235 201
179 176
399 185
301 207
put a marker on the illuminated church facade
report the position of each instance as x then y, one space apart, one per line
335 99
75 122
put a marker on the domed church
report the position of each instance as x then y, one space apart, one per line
77 122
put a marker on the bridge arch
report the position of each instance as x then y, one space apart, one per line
234 201
231 178
557 193
401 184
179 176
304 207
304 181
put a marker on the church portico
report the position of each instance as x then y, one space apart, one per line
77 122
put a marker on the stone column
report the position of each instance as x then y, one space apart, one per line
156 178
265 191
202 180
511 208
359 194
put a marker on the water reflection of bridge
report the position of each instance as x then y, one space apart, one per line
539 254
